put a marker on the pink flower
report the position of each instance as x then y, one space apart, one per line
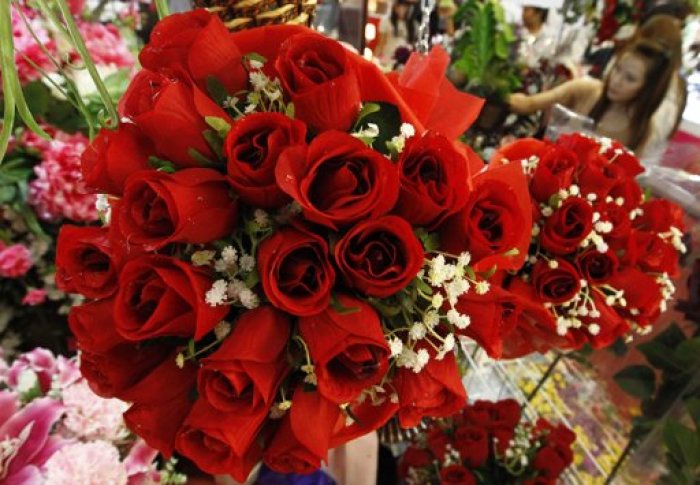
140 464
41 361
94 463
106 45
34 297
58 191
90 417
24 437
27 51
15 261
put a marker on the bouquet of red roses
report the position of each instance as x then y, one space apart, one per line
601 258
487 443
287 235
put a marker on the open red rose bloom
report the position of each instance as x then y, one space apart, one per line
488 439
295 244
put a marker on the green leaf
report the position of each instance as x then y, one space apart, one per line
423 286
637 380
688 354
488 274
38 98
216 90
338 306
387 119
7 193
386 310
671 337
693 406
254 56
660 356
289 110
366 110
220 125
201 159
161 165
682 442
252 279
215 142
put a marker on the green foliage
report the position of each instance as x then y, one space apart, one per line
637 380
387 118
483 50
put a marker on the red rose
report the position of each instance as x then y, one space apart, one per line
370 416
206 438
610 326
243 375
456 475
554 171
651 253
303 438
564 230
295 272
556 435
619 217
556 285
114 155
491 416
319 78
434 180
338 180
629 191
158 419
84 262
414 457
598 176
348 350
642 293
437 441
171 114
660 215
379 257
519 150
552 461
162 296
597 267
493 317
496 220
252 148
190 206
472 442
93 327
436 391
195 44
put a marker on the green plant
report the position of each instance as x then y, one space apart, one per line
483 50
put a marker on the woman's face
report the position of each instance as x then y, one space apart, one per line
626 78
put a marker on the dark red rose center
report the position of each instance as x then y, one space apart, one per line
95 261
317 69
145 296
151 213
488 221
252 149
357 362
340 183
301 273
379 258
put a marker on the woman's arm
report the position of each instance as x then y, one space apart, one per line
564 94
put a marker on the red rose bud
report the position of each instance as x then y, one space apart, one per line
197 45
318 76
599 176
519 151
552 461
495 225
597 267
190 206
651 253
303 438
660 215
205 438
641 292
567 227
338 180
472 442
93 326
84 262
252 148
437 441
157 421
436 391
555 171
456 475
491 416
171 113
348 350
114 155
243 375
414 457
380 257
434 180
557 281
162 296
295 271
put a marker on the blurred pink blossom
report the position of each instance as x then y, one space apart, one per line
90 417
27 50
34 297
106 45
58 191
94 463
15 261
39 360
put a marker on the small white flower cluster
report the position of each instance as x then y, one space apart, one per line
368 134
675 237
523 441
452 456
279 409
529 164
266 94
104 209
667 289
230 289
398 142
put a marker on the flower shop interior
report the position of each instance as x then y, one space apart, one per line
351 242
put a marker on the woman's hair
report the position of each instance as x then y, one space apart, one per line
660 71
665 30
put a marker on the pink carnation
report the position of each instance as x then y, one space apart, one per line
58 191
95 463
27 51
15 261
89 416
34 297
106 45
39 360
